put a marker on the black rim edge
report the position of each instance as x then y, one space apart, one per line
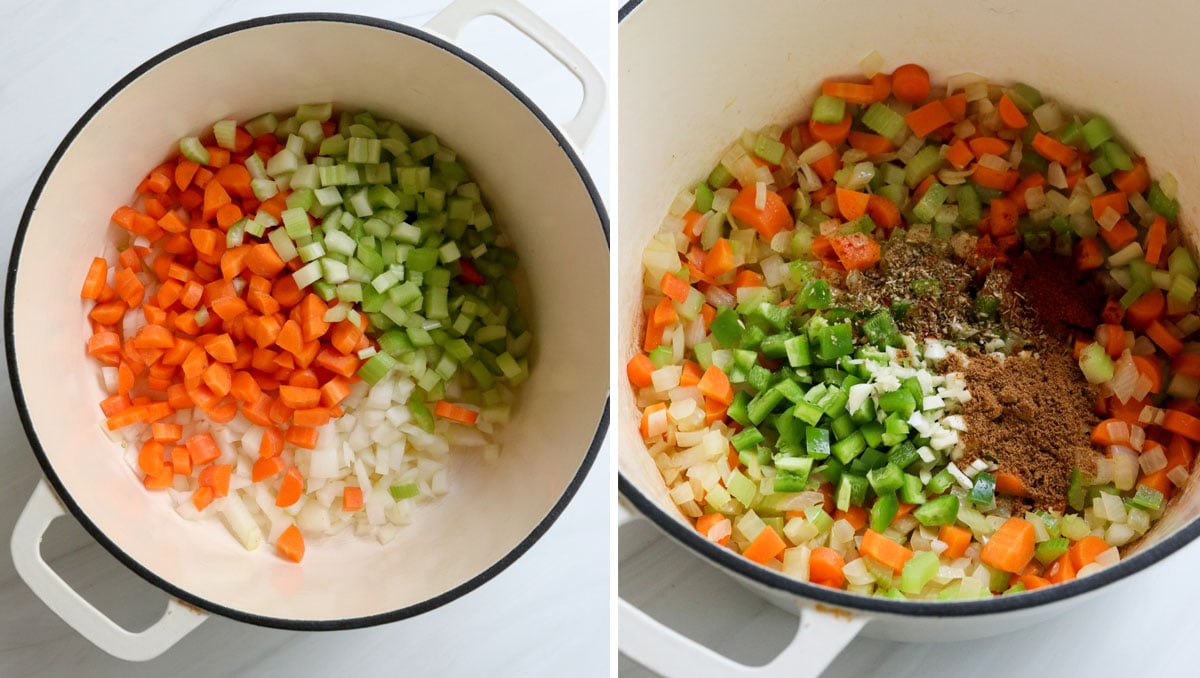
1043 596
626 9
62 492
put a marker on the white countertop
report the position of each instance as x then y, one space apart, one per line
546 615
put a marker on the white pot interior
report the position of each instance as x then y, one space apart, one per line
680 107
540 200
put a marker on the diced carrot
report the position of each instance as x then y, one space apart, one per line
1054 150
883 212
928 118
203 449
956 538
202 497
856 251
150 458
290 489
826 167
1113 199
855 515
1147 309
851 204
1088 255
715 384
352 498
1182 423
1010 115
181 460
768 221
454 412
1084 551
1121 234
1003 217
1061 570
160 481
765 547
291 544
1168 342
638 370
1010 548
93 282
910 83
835 134
885 551
960 154
1010 484
1136 180
706 522
957 105
267 467
1156 238
825 567
872 144
166 433
1002 180
852 92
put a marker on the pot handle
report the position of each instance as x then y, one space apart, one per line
822 634
177 621
450 22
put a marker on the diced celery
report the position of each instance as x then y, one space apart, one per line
1095 363
829 110
318 112
883 120
193 150
918 571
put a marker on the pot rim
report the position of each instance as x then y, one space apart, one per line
65 495
917 608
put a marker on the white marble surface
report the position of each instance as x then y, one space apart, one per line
547 615
1142 625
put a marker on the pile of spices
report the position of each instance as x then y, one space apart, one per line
1031 415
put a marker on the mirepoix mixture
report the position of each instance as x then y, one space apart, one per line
299 317
931 343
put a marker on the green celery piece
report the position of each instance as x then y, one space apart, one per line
405 491
704 198
1051 550
720 177
829 110
1096 131
1025 97
918 571
927 161
929 204
883 121
769 149
970 208
1168 208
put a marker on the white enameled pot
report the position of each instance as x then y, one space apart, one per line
695 74
543 198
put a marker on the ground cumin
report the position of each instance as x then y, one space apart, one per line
1031 414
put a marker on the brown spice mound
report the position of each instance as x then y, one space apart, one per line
1032 416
